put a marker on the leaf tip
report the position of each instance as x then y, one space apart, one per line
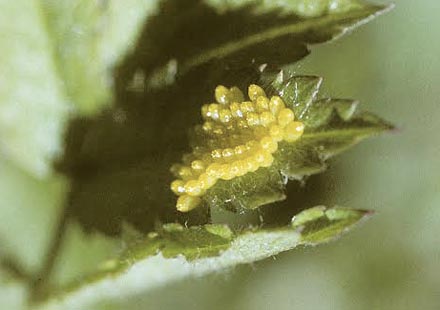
321 224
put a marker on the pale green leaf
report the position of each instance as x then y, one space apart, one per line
176 252
29 209
320 224
98 32
13 293
56 62
250 191
81 253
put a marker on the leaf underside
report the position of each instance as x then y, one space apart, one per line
196 251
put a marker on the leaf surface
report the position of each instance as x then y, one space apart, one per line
175 253
56 63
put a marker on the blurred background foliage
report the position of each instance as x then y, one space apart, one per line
393 262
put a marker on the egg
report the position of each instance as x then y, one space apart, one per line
242 136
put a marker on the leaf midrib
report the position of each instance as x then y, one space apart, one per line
342 132
297 28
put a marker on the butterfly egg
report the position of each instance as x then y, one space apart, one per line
235 109
223 172
213 111
251 164
262 104
268 160
205 111
267 118
214 170
229 172
276 132
221 94
178 187
268 144
241 167
235 94
228 152
293 131
252 119
193 188
276 104
259 157
208 126
255 91
242 124
235 168
247 107
240 149
185 173
216 154
263 158
207 181
285 117
198 165
225 115
187 203
252 145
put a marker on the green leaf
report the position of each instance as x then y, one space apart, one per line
249 191
239 34
29 209
309 8
331 126
319 224
81 253
120 154
56 62
98 32
326 141
174 240
176 252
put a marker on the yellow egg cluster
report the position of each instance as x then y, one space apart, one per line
237 137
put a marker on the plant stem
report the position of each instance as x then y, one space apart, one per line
40 281
15 270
